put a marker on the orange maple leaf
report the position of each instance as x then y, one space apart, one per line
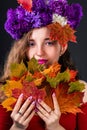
38 75
62 34
73 74
68 103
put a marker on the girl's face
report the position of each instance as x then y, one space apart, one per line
42 48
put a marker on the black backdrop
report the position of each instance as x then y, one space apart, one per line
78 51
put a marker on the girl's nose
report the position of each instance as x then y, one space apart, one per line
40 51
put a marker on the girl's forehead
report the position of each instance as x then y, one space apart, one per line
40 33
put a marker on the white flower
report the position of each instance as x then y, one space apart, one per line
60 19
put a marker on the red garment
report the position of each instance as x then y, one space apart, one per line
68 121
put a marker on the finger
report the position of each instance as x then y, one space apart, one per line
42 110
25 105
44 105
18 104
44 118
26 122
55 102
19 114
28 112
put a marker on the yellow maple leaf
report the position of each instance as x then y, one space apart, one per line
38 81
8 102
11 84
52 69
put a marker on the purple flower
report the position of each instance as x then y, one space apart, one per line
16 24
36 21
74 14
20 12
38 5
46 18
58 6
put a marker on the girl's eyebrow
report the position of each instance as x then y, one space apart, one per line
31 40
47 39
44 39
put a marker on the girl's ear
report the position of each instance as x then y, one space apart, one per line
63 49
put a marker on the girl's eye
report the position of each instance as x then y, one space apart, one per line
50 43
31 44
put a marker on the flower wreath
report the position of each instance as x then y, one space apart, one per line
30 14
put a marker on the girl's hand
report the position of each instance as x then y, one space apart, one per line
50 117
22 113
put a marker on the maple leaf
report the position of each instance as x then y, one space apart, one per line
76 86
38 82
68 103
34 66
29 77
37 75
17 70
8 102
11 84
29 89
26 4
60 77
52 70
69 33
73 74
62 34
37 93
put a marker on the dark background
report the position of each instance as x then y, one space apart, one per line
78 50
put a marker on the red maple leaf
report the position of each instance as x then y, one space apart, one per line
29 89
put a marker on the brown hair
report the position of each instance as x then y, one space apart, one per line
16 55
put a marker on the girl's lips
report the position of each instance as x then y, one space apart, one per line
42 61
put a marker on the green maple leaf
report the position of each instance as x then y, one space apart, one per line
17 70
76 86
61 77
52 81
34 66
29 78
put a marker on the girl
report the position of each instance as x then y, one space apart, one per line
42 30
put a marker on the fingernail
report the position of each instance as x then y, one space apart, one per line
29 98
53 94
39 100
33 102
21 95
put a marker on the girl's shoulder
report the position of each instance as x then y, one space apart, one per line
85 91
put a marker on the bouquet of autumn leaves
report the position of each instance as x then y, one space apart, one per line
39 82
